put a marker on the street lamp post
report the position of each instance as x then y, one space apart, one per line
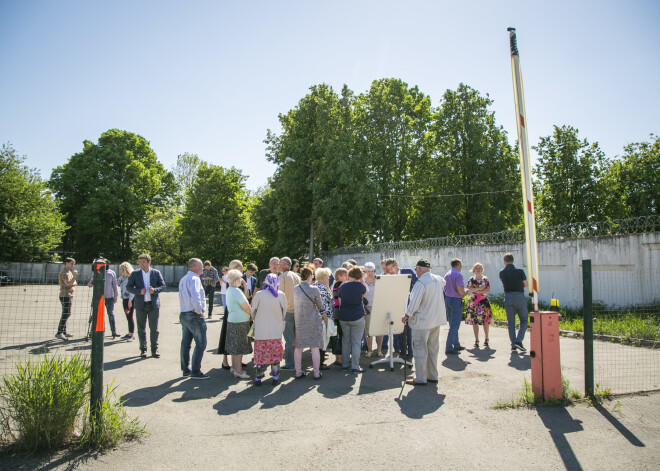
311 220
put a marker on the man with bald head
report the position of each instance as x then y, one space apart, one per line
192 300
273 267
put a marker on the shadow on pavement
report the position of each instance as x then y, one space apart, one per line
623 430
67 459
455 363
420 401
559 422
284 394
192 390
337 383
483 354
375 380
520 362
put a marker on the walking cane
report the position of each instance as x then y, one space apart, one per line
404 349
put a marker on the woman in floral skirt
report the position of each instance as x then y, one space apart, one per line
478 309
268 314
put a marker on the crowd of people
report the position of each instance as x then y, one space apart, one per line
281 311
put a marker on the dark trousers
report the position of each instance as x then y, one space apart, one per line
129 315
66 312
210 292
151 313
110 308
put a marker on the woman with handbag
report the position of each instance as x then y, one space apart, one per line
309 323
322 276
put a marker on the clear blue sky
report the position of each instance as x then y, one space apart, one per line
210 77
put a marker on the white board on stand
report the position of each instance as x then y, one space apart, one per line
390 296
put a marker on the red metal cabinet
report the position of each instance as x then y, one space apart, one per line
544 353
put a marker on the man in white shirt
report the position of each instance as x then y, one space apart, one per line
192 302
425 314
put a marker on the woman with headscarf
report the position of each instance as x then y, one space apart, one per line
268 314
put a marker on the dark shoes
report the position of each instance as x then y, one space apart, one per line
520 347
200 375
432 380
486 344
302 375
324 367
451 352
316 378
155 354
186 373
459 349
143 354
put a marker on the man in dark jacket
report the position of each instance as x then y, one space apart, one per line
146 283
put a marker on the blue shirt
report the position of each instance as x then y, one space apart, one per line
351 308
191 294
234 298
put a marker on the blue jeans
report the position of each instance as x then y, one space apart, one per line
289 336
193 326
454 316
516 303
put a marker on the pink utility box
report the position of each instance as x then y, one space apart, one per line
544 353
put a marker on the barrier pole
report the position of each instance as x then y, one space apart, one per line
99 268
588 328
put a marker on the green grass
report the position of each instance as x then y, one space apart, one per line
527 399
41 403
636 322
111 425
44 404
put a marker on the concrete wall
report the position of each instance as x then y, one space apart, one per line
625 269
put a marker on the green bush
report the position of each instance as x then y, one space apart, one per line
111 424
41 404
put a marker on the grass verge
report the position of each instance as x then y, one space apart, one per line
45 405
635 322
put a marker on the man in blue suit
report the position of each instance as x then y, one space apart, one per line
392 268
146 283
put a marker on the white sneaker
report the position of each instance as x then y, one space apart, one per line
60 336
243 375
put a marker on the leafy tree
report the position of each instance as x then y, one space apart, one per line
109 191
635 180
321 179
185 173
216 220
472 164
30 222
569 172
161 238
392 121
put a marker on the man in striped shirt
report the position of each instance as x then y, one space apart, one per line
425 314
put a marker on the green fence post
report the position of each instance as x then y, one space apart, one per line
97 331
588 328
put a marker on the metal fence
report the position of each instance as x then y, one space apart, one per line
622 348
580 230
30 312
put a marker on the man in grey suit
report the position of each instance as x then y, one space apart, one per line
146 283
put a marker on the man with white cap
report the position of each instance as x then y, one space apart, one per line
425 314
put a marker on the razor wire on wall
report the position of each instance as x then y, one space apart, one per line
580 230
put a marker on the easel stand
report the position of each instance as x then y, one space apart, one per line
390 349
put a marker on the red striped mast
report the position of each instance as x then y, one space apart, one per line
525 171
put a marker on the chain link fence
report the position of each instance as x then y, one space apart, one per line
30 312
